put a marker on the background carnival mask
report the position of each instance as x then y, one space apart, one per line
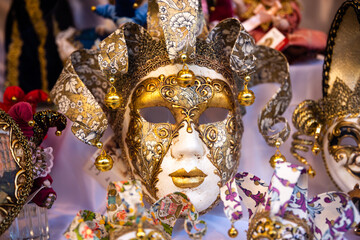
334 119
178 132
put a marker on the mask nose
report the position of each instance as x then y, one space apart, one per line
187 144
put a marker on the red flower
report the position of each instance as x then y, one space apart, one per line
15 94
121 215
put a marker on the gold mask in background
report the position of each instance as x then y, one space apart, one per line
334 119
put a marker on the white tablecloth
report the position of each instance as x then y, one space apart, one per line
77 190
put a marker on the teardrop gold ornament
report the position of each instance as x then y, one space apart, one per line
112 99
233 232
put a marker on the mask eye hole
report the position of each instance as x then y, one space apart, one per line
213 114
348 141
157 115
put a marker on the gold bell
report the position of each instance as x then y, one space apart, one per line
112 99
246 97
185 77
233 232
31 123
277 157
140 234
58 133
104 162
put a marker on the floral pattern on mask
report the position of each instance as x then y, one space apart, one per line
179 23
78 93
284 211
127 215
149 142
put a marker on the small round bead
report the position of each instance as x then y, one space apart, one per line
99 144
183 57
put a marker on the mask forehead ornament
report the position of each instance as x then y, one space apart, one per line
334 119
177 69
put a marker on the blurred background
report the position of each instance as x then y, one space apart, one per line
316 14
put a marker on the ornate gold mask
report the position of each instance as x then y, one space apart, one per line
333 120
175 132
203 119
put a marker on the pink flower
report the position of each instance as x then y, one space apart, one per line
121 215
87 233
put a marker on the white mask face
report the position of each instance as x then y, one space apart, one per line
186 168
183 139
341 152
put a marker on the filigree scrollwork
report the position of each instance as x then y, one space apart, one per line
15 172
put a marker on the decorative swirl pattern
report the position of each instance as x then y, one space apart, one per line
16 171
271 66
300 144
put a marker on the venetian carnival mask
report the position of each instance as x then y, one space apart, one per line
189 136
334 120
177 136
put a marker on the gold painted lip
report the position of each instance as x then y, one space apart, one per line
192 179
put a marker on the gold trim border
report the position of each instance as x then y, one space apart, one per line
23 178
